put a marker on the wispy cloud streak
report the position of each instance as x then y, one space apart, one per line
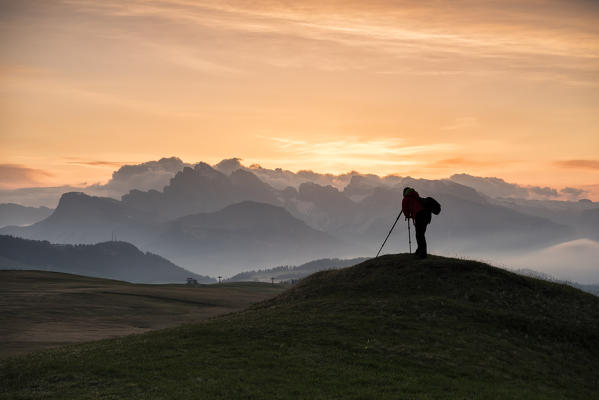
14 176
579 164
347 154
388 33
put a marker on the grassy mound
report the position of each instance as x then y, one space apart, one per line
391 327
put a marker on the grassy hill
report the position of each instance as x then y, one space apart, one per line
388 328
41 309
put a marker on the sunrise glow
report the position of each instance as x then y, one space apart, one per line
501 88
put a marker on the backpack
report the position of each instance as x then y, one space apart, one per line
431 204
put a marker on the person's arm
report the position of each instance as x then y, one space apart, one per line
406 208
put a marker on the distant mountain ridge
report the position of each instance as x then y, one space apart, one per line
239 236
16 214
80 218
200 189
292 272
112 260
243 235
352 211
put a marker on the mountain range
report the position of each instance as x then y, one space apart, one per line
227 218
239 236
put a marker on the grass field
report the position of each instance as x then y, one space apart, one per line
389 328
40 309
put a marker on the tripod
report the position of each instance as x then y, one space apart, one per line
391 230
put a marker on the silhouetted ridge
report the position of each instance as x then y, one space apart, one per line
201 189
249 187
293 272
80 218
16 214
113 260
77 205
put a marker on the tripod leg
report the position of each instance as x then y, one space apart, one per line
390 230
409 236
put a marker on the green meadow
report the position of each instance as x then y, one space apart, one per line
388 328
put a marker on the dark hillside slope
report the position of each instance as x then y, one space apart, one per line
388 328
112 260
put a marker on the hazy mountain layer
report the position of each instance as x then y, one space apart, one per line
80 218
113 260
356 217
15 214
242 236
236 238
469 222
286 273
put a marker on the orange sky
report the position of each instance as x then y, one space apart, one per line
428 89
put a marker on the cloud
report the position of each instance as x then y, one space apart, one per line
94 163
492 187
464 162
579 164
573 193
15 175
145 176
187 57
281 178
353 152
497 187
542 192
504 38
574 260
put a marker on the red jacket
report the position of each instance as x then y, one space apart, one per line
411 204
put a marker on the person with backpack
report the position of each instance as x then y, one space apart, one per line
414 207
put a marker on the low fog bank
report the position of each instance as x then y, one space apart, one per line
575 261
570 261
